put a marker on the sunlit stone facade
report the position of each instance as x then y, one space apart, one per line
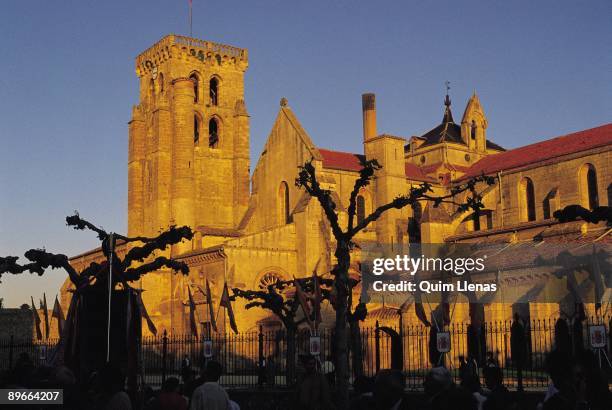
189 164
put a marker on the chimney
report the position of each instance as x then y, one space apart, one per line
368 103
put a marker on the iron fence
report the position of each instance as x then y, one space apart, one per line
262 358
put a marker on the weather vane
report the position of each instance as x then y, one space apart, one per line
447 98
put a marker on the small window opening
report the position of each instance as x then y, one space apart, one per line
213 133
214 91
473 130
196 87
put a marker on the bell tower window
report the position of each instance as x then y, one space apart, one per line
214 91
473 130
196 87
213 133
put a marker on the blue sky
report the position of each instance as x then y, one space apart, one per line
67 84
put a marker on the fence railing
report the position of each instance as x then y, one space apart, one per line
261 358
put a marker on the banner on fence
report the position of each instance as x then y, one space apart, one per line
208 350
315 345
443 342
597 336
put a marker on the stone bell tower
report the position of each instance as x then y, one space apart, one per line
188 161
188 158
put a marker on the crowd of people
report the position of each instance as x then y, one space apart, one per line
105 389
576 383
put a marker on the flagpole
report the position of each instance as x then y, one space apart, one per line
110 292
190 18
224 287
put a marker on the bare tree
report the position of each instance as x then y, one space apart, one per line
95 277
286 307
97 274
307 179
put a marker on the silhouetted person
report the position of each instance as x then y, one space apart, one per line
313 390
597 392
210 395
468 372
270 371
112 382
261 372
169 397
389 388
499 397
570 381
518 348
470 380
22 373
329 370
186 372
363 399
442 394
563 341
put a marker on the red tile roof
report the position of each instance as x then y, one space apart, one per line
415 173
347 161
428 169
542 151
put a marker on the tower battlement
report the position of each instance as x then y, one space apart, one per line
183 47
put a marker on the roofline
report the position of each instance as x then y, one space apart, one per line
572 155
521 226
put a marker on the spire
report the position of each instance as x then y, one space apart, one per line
448 115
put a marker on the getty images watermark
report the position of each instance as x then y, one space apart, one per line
407 265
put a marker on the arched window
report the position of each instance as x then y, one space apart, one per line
527 200
360 211
213 133
587 184
589 196
196 87
473 130
214 91
196 129
592 188
160 82
283 197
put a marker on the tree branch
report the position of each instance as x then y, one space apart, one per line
172 236
307 179
135 273
365 175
